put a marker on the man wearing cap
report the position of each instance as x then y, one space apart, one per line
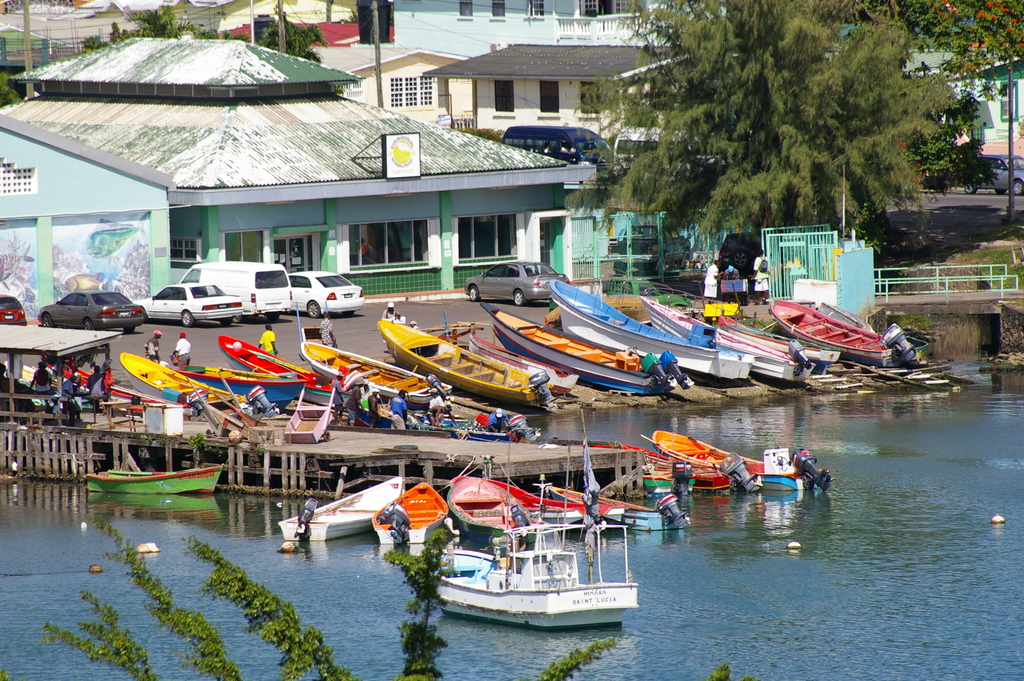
390 314
496 422
153 346
183 350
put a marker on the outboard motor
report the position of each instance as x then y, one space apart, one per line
807 464
682 471
197 400
435 383
652 367
518 426
258 402
895 339
519 516
306 515
799 356
670 511
539 381
671 367
398 517
736 468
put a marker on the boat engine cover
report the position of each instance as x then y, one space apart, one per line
807 464
519 516
257 400
400 523
670 511
306 515
671 367
897 340
736 468
682 472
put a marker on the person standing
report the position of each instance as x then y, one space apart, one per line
268 341
337 398
711 280
761 280
399 406
436 409
153 347
327 331
183 350
41 379
352 403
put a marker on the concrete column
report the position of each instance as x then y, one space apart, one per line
447 256
329 239
44 261
560 260
159 249
209 221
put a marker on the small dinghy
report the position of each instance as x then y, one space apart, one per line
351 515
412 517
190 481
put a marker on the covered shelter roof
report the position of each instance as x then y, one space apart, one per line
547 62
41 340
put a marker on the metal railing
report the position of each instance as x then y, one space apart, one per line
944 279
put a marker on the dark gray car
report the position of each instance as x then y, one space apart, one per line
93 310
515 281
1001 176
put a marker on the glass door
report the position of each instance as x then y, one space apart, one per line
545 241
295 252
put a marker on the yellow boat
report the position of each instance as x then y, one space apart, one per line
385 378
473 373
162 382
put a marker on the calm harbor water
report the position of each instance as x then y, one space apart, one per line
901 575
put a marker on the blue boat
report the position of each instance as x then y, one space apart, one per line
280 391
591 318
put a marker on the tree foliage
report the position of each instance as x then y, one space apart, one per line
299 40
761 105
8 95
949 156
158 23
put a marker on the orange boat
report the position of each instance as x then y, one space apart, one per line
741 469
412 517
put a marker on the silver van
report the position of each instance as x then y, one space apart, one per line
1001 177
264 289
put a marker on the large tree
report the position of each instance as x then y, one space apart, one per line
762 106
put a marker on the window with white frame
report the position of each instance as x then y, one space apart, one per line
535 8
487 236
185 249
355 92
386 243
412 91
1004 100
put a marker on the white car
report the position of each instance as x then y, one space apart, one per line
319 291
190 303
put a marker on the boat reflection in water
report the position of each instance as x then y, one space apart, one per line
200 510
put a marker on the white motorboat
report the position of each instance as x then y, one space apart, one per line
534 584
351 515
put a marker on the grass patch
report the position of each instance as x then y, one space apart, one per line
920 322
1011 232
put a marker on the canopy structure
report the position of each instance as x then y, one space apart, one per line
40 340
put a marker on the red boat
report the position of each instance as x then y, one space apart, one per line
247 357
555 511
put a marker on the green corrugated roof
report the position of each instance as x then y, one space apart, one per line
259 143
213 63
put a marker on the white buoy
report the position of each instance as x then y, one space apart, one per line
794 546
85 526
998 519
148 547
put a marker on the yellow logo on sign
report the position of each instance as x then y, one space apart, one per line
402 151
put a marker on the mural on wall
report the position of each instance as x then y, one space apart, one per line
108 252
18 275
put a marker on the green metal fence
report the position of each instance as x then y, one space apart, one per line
800 252
943 279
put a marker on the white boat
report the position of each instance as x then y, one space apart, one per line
534 584
351 515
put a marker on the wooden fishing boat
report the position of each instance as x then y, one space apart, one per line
743 471
591 318
351 515
658 477
767 362
280 390
165 383
412 517
552 510
787 470
821 357
562 382
634 516
593 364
857 345
475 430
248 357
466 370
386 378
843 316
482 510
190 481
534 581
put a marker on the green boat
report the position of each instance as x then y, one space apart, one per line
191 481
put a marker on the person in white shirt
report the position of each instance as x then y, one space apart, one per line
711 280
761 280
183 350
390 314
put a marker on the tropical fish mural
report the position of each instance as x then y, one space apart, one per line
109 252
18 273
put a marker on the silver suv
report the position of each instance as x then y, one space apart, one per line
1001 176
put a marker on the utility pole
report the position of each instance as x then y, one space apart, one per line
376 53
27 29
252 22
1011 88
282 42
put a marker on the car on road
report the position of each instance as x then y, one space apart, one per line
1000 178
191 303
319 291
93 310
642 287
516 281
740 251
11 311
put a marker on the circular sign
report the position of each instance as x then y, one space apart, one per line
402 151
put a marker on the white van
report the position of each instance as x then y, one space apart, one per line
264 289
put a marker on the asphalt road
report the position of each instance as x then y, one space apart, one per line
356 334
951 218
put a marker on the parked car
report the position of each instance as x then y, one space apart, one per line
190 303
740 251
574 145
93 310
1000 181
11 311
262 288
319 291
642 287
515 281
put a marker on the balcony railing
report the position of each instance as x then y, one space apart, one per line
607 28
